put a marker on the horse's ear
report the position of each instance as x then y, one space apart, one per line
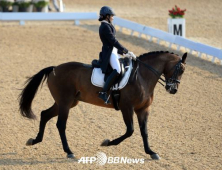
184 58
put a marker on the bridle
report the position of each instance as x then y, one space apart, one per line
169 81
174 78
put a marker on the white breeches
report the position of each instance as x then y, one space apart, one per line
114 60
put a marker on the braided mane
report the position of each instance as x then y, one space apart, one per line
155 52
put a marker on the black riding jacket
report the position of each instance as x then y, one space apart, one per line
107 33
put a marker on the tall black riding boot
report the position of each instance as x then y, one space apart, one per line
109 83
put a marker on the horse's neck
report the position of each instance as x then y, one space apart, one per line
148 77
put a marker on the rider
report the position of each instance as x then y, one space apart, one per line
110 48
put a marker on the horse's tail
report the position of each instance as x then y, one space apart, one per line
28 93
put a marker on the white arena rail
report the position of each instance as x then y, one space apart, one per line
170 38
159 34
130 25
38 16
122 23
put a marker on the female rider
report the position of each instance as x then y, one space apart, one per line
110 50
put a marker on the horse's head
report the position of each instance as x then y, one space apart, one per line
173 74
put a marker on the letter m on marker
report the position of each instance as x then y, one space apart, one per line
177 31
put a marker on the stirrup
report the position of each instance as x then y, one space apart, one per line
103 96
107 101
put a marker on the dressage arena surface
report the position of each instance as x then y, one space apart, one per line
184 129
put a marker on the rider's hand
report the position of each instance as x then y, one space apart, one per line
131 55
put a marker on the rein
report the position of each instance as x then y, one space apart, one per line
157 73
173 79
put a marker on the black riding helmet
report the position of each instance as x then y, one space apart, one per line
104 11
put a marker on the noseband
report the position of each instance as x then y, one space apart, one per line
174 78
169 81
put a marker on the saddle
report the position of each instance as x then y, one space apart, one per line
124 65
98 78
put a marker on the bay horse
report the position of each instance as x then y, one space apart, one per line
70 83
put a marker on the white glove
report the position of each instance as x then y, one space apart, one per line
131 55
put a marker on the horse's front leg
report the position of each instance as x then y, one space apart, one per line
128 119
142 115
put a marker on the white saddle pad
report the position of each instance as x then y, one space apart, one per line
97 78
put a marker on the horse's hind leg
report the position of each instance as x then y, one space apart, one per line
46 115
61 125
128 119
142 115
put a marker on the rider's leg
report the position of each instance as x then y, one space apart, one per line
114 62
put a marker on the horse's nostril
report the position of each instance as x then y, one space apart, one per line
173 91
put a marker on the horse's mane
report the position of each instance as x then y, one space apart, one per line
154 52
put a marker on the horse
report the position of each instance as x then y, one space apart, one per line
70 83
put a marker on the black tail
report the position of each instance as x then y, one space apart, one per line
28 93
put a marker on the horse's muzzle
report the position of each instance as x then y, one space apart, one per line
172 89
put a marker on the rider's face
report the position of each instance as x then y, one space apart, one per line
111 18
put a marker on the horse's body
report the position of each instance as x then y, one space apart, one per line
70 83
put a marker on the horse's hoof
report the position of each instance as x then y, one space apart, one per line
155 156
29 142
72 156
105 142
